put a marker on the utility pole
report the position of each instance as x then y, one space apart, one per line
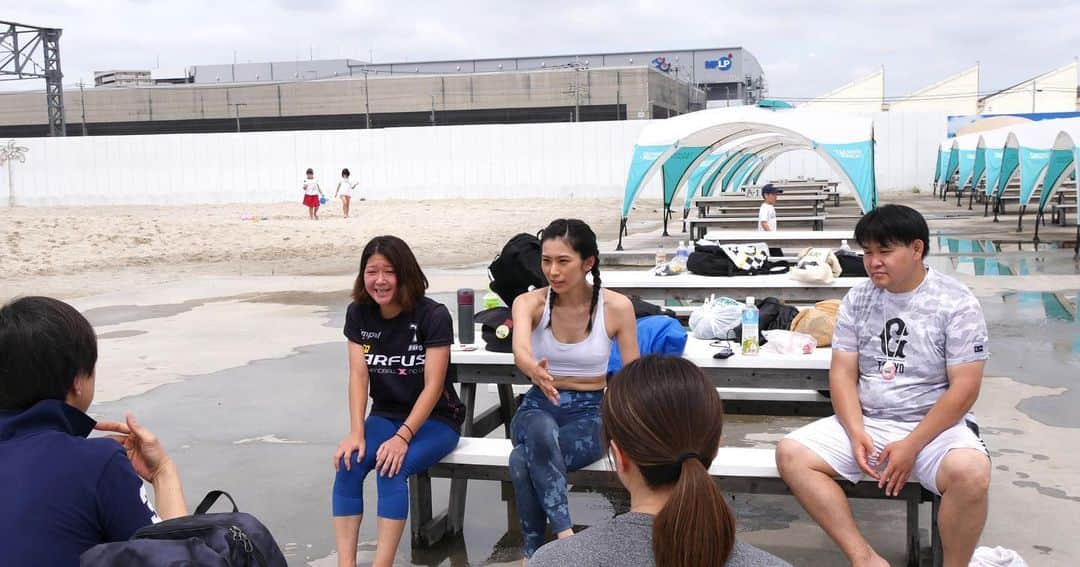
367 100
82 105
576 88
237 105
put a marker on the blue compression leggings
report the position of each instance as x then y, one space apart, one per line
550 440
433 441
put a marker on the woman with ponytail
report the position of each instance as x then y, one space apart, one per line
562 341
662 421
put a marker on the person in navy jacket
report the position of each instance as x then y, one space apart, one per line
62 492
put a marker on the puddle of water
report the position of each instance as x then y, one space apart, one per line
1035 339
957 244
985 257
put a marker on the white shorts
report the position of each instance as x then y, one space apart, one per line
830 441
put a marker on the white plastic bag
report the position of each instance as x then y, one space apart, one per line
816 265
716 319
996 557
780 341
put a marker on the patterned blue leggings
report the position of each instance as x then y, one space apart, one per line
434 440
550 440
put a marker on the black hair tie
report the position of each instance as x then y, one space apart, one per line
683 457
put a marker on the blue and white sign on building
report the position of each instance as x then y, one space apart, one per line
721 64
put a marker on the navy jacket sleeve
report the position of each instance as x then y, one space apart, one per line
122 502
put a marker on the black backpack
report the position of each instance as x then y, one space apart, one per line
711 260
232 539
517 268
851 266
772 314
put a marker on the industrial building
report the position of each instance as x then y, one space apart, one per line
346 93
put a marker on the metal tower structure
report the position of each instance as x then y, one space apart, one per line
30 52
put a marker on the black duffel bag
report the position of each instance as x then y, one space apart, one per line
230 539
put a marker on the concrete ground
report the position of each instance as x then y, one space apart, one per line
244 379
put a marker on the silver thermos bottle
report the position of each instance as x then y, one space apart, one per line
465 300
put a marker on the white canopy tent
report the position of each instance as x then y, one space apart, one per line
677 146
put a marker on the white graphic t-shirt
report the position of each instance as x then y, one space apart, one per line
906 341
767 212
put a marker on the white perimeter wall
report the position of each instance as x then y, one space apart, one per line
567 160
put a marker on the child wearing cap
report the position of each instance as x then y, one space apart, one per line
767 212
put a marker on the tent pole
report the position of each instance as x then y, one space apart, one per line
996 202
1020 219
1038 217
959 195
1076 243
685 214
667 215
986 206
622 228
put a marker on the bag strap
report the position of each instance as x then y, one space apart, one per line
209 500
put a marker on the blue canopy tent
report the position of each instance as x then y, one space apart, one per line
1062 164
1032 142
845 142
952 167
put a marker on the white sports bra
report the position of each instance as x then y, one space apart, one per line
586 358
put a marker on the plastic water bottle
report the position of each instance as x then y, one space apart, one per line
844 247
661 257
491 300
682 254
750 328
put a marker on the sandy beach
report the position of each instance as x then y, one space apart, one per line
79 251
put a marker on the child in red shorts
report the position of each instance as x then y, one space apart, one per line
312 193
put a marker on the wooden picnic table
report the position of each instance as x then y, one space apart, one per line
797 239
700 226
741 202
697 287
765 371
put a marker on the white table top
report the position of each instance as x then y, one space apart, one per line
729 461
731 236
697 351
645 279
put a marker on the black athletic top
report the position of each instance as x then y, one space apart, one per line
396 350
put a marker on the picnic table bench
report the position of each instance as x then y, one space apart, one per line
735 469
1059 213
815 201
699 226
767 383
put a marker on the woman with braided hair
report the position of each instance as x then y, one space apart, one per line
662 420
562 341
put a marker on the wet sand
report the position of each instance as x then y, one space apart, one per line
243 376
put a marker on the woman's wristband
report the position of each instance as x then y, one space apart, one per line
412 434
398 435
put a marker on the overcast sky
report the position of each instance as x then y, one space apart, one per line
807 48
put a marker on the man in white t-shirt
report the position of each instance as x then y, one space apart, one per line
766 217
908 354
